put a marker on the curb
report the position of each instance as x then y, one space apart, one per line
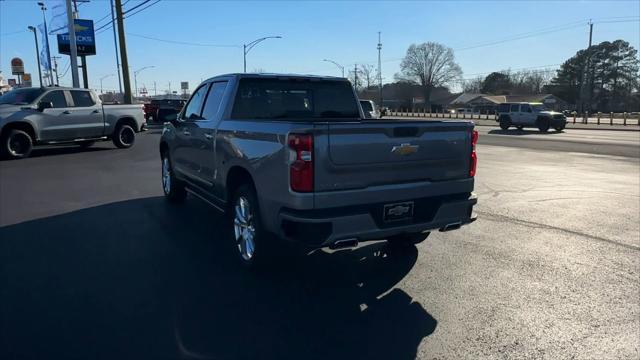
569 127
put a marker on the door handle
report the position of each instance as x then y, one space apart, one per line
186 133
96 111
208 136
66 112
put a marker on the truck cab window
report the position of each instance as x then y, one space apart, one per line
82 98
56 98
212 105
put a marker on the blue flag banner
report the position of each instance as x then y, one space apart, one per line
58 23
44 58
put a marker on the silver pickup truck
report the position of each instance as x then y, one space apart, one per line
293 157
56 115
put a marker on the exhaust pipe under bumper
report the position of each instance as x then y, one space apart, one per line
452 226
345 243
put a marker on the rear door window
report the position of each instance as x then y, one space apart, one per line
515 108
56 98
82 98
212 104
295 99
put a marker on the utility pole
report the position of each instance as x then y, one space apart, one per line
115 43
55 68
355 78
155 89
584 88
73 49
123 54
83 58
379 72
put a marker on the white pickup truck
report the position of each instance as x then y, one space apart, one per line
57 115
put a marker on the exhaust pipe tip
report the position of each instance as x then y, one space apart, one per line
343 244
452 226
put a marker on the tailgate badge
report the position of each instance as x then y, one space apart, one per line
405 149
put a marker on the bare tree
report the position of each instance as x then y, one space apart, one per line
368 73
429 65
473 85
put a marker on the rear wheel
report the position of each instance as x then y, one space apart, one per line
16 144
407 239
543 125
559 127
248 234
519 127
124 136
173 188
505 122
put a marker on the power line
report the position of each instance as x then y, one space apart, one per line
144 8
181 42
13 33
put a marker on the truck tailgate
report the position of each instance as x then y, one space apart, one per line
372 153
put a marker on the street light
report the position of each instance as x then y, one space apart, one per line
247 47
35 37
102 78
135 77
336 64
46 39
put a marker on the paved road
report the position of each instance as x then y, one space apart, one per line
95 264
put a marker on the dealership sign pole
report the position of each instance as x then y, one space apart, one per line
73 50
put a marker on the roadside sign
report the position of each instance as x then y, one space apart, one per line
17 66
26 80
12 82
184 85
85 39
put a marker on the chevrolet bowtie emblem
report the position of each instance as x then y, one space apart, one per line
405 149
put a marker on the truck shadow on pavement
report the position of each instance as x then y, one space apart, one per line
523 132
145 279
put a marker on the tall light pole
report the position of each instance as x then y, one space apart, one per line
35 37
247 47
379 71
102 78
46 39
135 77
336 64
115 43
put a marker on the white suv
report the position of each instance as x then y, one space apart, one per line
523 115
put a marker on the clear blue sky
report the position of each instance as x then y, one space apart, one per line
344 31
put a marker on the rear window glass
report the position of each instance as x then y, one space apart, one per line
82 98
294 99
503 108
366 106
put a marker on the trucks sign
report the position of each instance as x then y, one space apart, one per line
85 39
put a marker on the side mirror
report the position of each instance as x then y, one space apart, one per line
42 105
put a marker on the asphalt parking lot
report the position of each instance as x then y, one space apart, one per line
95 264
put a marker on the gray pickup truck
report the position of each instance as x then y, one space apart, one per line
56 115
293 156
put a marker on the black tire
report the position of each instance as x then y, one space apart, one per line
124 136
519 127
257 253
408 239
16 144
543 125
505 122
559 128
174 190
86 144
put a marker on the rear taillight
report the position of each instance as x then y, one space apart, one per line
474 157
301 168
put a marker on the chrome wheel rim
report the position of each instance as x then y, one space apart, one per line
166 176
126 135
244 228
